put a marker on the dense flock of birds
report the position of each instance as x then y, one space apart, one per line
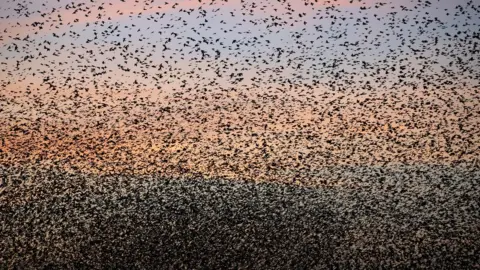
123 123
264 90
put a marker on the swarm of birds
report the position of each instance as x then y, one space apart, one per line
131 132
404 217
264 90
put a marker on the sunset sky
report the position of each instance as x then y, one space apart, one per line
238 88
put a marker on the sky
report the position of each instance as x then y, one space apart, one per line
238 88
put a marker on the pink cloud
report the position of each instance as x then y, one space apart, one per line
59 19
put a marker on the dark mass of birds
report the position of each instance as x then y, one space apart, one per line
403 218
